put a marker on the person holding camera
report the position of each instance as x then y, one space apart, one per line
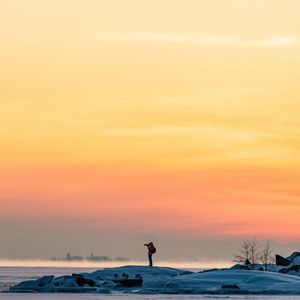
151 251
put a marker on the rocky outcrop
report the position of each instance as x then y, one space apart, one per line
282 261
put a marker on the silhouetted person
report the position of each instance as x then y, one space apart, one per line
151 250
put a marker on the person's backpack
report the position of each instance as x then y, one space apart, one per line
153 250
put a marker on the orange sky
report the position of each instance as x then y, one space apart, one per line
114 113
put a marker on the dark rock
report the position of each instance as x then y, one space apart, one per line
230 286
281 261
247 262
129 282
81 280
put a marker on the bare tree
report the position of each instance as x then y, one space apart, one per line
243 253
254 251
266 256
248 252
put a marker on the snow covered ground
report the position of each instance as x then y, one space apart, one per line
167 281
139 297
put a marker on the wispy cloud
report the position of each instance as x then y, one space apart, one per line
277 41
216 40
193 39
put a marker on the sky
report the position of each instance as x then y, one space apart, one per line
124 122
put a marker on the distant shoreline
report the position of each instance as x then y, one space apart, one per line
91 258
48 263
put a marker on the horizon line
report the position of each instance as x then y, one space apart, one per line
197 264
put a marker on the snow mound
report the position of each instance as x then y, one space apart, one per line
234 282
142 270
163 280
103 281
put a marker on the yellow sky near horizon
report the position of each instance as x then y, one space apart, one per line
152 104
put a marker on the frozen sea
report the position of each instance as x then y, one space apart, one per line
13 275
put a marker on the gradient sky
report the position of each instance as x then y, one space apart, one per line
129 121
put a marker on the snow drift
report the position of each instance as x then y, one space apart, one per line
163 280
